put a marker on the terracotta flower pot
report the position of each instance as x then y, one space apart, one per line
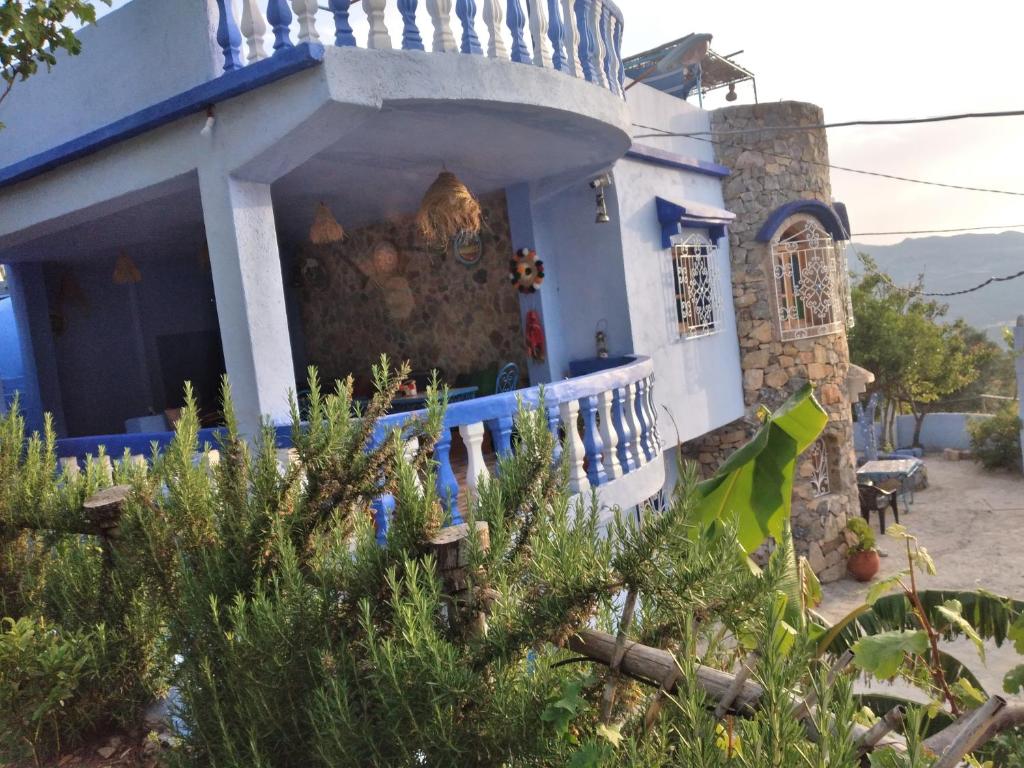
864 565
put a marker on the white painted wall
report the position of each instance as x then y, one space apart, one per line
698 381
142 53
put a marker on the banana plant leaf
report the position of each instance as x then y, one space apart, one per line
755 485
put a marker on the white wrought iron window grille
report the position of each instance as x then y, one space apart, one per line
843 283
698 292
820 485
806 282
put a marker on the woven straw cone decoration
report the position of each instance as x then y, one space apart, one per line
325 229
448 209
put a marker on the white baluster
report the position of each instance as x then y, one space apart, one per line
440 16
629 414
608 436
600 51
539 33
69 466
305 12
494 15
571 38
574 451
651 417
253 27
379 37
473 439
613 56
412 447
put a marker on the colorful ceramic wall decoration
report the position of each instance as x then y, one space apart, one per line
467 248
526 271
534 336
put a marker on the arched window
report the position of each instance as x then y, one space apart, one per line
808 280
698 293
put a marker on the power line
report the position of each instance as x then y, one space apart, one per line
846 124
979 286
938 231
861 171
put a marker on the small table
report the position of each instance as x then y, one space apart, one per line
902 470
417 402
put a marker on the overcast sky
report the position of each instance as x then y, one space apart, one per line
875 59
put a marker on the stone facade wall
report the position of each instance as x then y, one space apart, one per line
410 302
769 169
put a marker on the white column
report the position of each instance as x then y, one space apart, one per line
600 50
539 33
609 436
440 16
494 15
246 266
473 438
574 451
571 38
379 37
253 27
305 12
629 414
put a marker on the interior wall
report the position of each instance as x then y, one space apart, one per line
429 309
107 342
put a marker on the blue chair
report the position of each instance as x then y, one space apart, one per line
508 378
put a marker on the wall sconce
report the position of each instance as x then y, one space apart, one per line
601 338
731 95
599 184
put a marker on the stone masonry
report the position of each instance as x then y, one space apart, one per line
769 169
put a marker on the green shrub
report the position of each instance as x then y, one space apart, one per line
865 536
995 441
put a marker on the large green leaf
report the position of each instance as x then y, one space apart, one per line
754 486
883 654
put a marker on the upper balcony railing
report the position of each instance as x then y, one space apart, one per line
582 38
605 422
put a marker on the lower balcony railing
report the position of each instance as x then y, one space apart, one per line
605 421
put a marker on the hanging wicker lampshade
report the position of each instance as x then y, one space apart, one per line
325 229
448 209
125 271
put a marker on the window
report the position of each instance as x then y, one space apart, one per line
697 286
808 281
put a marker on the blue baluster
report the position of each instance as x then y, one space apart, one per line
280 17
516 20
343 36
383 507
643 439
554 427
501 435
587 40
447 485
593 445
625 431
609 47
556 35
466 11
229 38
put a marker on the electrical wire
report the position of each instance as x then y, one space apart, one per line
979 286
861 171
938 231
846 124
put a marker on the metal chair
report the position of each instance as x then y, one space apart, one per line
508 378
876 498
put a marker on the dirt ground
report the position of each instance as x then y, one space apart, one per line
972 523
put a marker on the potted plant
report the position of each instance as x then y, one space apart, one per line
862 557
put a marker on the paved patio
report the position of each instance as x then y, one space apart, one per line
972 523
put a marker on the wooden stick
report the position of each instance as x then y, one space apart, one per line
745 671
1010 716
889 722
969 735
608 697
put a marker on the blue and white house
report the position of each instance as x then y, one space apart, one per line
190 129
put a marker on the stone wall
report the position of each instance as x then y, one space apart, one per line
769 169
360 298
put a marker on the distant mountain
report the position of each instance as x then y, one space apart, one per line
958 262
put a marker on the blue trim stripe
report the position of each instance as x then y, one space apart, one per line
666 159
814 208
285 62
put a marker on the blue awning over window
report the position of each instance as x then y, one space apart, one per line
674 216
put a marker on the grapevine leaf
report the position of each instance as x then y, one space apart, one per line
882 654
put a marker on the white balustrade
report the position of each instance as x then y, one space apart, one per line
571 38
650 417
600 50
636 437
494 16
574 452
608 435
254 27
539 33
476 467
305 12
441 17
379 38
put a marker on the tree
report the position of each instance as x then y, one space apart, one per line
916 359
31 34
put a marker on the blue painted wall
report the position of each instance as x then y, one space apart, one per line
11 369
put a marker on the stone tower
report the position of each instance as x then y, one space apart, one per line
787 249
